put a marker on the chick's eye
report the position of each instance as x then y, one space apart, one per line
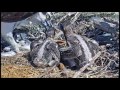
47 49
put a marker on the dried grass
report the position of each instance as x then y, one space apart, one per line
16 71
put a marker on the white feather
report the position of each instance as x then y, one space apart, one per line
86 50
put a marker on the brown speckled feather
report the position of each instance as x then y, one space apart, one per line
15 16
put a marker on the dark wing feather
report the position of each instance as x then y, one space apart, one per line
15 16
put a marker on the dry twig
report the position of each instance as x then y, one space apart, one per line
75 17
82 69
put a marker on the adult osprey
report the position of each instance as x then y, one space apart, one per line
8 20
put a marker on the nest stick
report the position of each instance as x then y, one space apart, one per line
90 63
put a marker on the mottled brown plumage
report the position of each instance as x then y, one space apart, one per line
15 16
45 54
80 49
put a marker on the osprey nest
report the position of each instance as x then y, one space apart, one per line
86 47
